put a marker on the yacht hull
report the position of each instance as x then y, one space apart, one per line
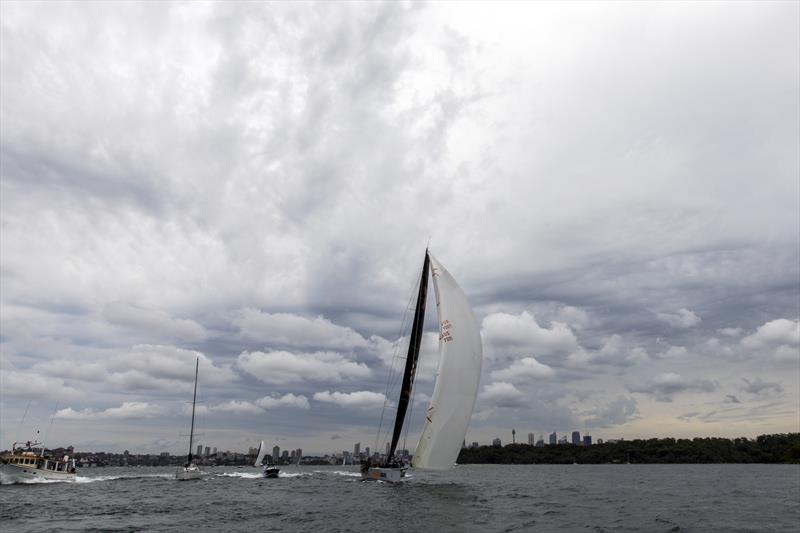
10 474
390 475
188 473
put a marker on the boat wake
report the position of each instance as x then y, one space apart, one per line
244 475
338 473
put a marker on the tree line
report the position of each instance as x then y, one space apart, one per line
778 448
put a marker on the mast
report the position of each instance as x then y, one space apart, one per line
411 358
194 400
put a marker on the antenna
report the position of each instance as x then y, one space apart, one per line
47 433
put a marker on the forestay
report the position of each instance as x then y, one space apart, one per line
460 357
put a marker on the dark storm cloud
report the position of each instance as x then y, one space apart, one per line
254 184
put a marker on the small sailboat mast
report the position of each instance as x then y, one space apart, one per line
412 358
194 401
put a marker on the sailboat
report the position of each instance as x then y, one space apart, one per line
459 371
190 470
270 470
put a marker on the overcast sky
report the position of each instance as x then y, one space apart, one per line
614 185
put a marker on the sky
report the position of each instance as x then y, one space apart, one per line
615 186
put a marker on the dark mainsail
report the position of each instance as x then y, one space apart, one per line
411 358
194 399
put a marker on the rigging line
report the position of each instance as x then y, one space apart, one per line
25 414
47 433
392 374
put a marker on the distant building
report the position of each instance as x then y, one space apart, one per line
276 453
388 447
599 441
285 455
299 453
199 450
553 439
366 451
207 451
563 440
214 450
357 449
531 439
496 443
540 443
587 440
576 438
475 444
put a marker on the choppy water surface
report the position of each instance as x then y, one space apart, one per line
472 498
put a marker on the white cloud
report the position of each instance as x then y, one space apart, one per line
282 367
127 410
287 400
730 332
360 399
34 385
684 318
522 335
524 369
779 338
284 329
153 322
502 394
674 352
238 406
614 351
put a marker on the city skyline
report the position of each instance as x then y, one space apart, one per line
254 185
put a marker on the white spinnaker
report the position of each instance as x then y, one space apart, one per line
460 358
261 452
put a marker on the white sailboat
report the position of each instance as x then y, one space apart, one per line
453 399
270 470
190 470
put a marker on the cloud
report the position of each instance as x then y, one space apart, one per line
614 413
524 369
279 368
780 338
153 322
673 352
287 400
238 406
284 329
665 385
758 386
614 351
730 398
684 318
502 394
34 385
128 410
520 334
358 399
730 332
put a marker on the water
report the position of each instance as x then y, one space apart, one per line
469 498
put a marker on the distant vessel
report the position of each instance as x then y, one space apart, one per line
270 470
28 463
460 359
190 470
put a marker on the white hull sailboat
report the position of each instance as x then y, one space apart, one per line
190 470
458 375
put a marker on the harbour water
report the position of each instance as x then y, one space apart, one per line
468 498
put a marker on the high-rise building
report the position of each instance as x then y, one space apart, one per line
388 447
357 449
285 455
587 440
214 450
497 443
576 438
366 450
276 453
531 439
553 439
207 451
199 450
299 453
